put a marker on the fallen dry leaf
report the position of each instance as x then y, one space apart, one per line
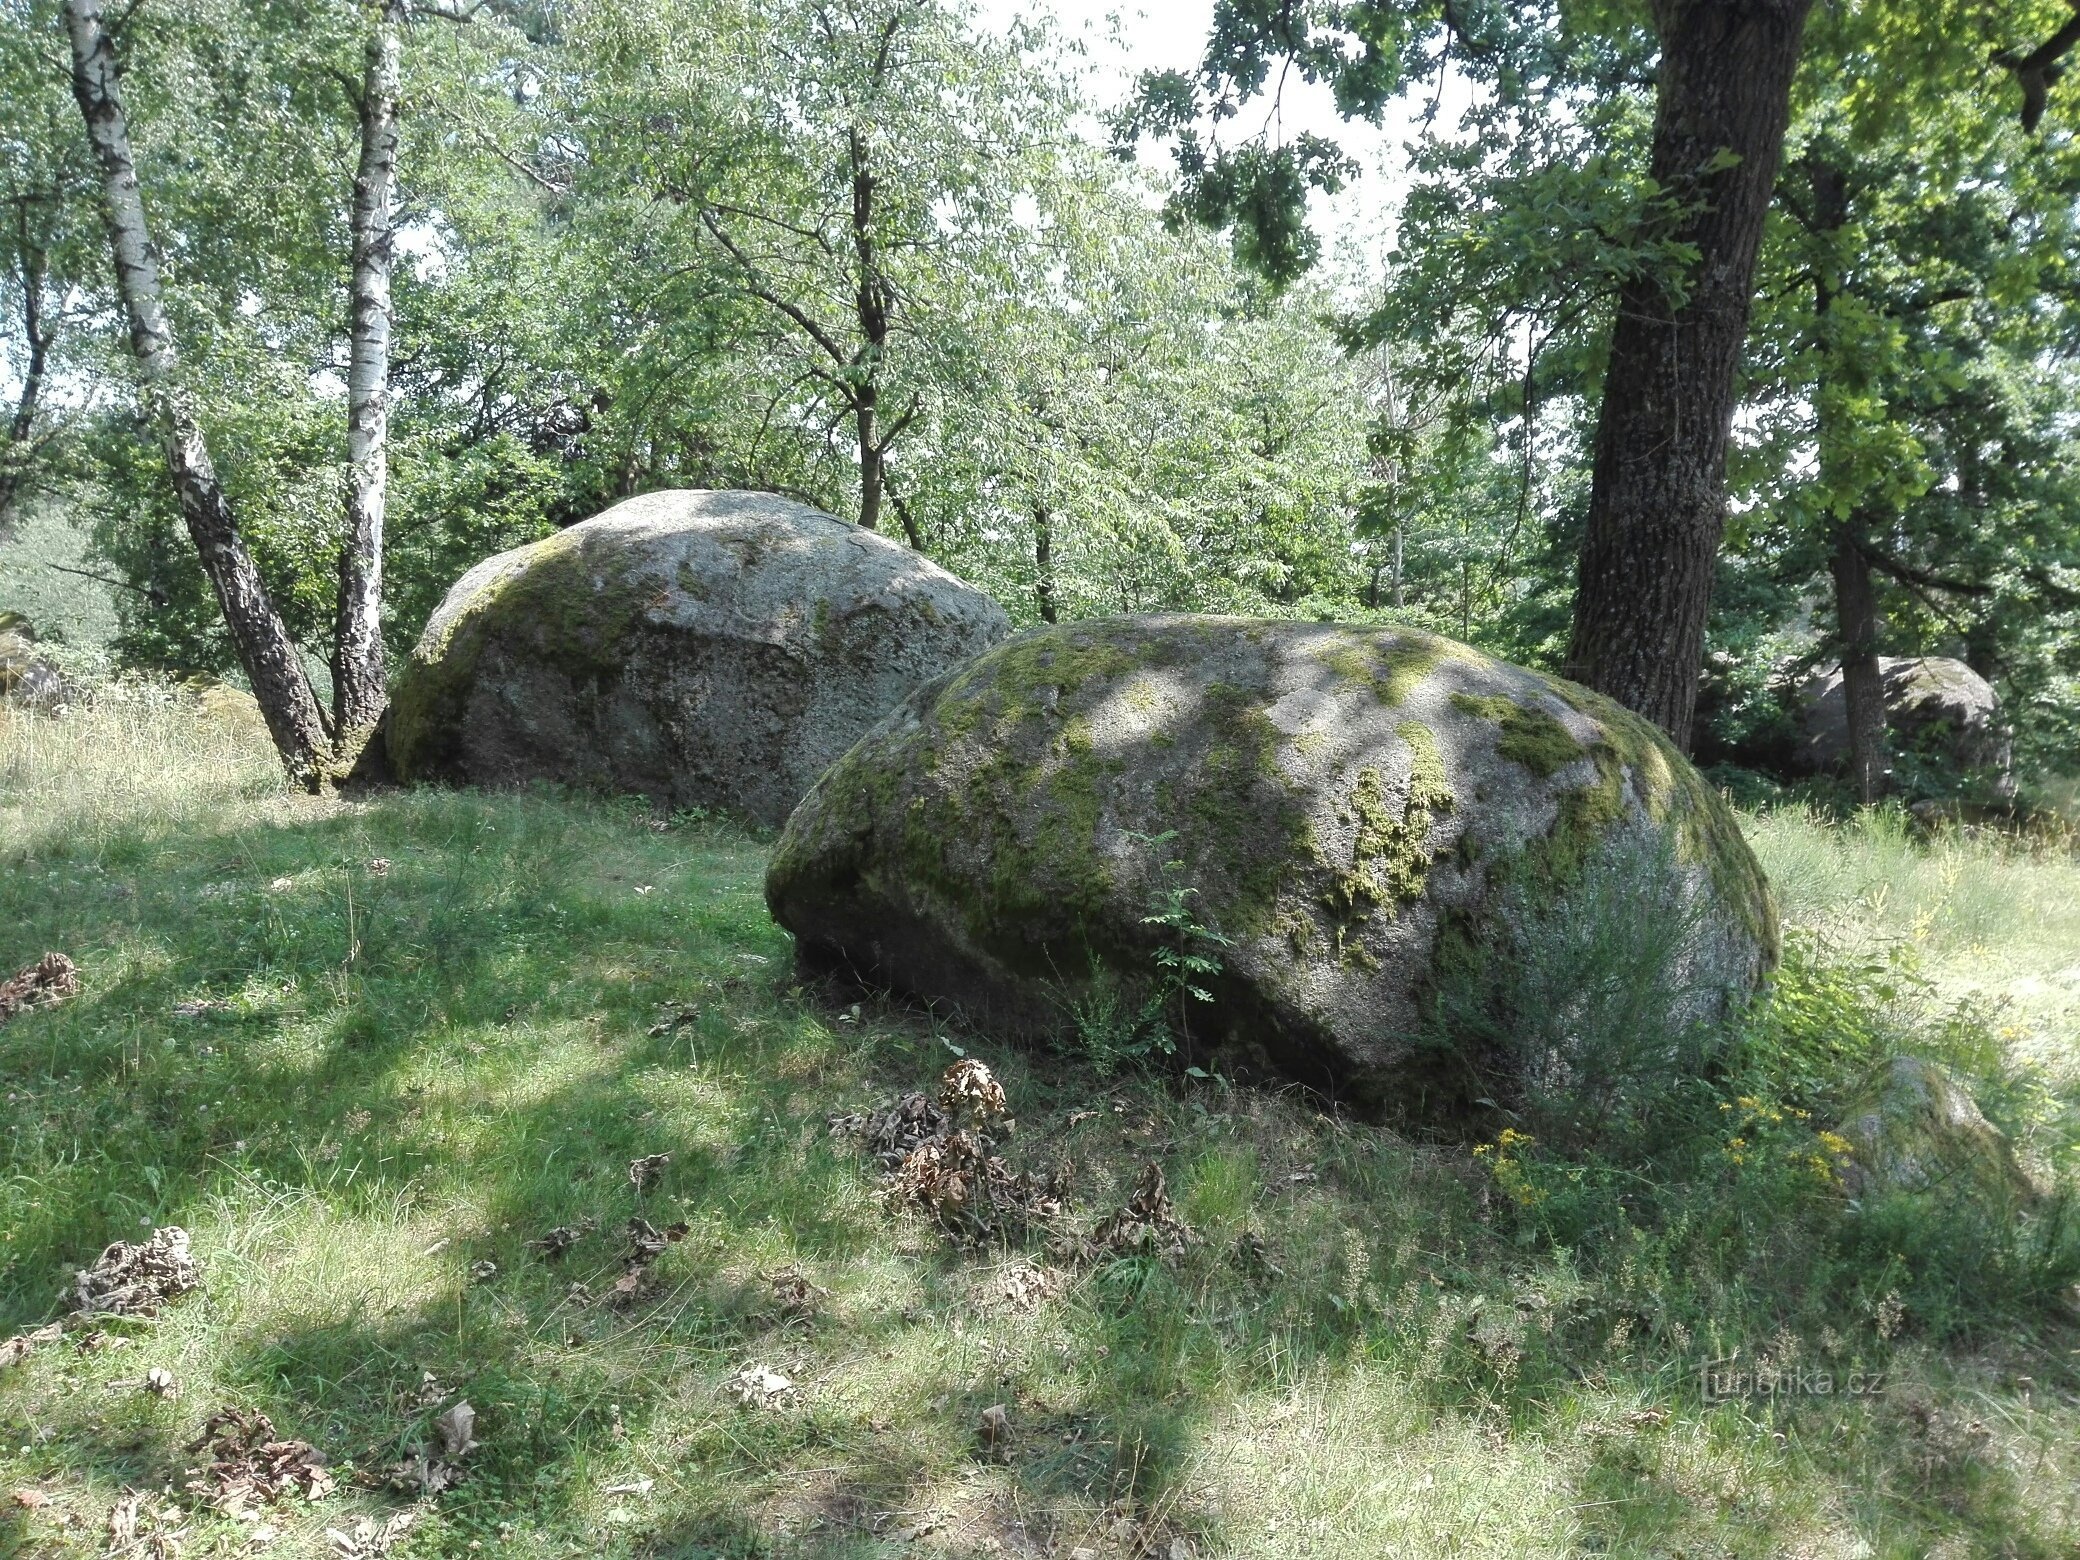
793 1292
1147 1223
760 1386
249 1463
1025 1284
641 1172
557 1241
366 1539
20 1347
160 1383
31 1500
968 1088
135 1280
457 1430
47 982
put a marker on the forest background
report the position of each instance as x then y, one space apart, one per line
902 260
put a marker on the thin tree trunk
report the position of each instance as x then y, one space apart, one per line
1657 501
263 644
21 429
869 460
870 303
1863 685
1043 562
1855 592
357 654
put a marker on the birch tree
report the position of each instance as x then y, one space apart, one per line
358 692
265 650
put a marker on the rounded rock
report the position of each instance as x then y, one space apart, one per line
706 649
1332 804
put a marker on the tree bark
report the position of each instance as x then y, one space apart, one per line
1657 499
1043 562
863 405
870 303
358 690
1863 685
263 644
21 428
1855 591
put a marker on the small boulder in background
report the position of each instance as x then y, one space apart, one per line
705 649
1914 1128
1935 707
26 678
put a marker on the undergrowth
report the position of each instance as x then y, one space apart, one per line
368 1052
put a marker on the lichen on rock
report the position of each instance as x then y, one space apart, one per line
1336 796
705 649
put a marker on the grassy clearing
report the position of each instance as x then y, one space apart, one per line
386 1074
1986 918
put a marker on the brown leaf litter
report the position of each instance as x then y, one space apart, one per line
1148 1223
437 1465
1024 1285
970 1089
47 982
366 1539
641 1172
793 1293
135 1528
646 1243
761 1386
946 1169
125 1280
19 1348
135 1280
250 1464
553 1244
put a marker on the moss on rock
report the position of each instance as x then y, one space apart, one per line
1530 736
1004 835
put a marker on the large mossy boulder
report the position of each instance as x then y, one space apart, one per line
1340 804
703 648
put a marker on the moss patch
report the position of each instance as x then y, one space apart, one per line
1674 794
1390 851
1530 736
1391 665
563 605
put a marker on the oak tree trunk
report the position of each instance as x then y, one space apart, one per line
1657 500
263 644
357 652
1863 685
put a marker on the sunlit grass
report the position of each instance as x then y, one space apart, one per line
1988 916
425 1036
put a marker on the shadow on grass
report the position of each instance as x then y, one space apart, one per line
372 1053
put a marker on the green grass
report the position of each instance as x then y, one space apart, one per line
1987 918
418 1068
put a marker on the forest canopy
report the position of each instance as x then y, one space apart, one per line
909 266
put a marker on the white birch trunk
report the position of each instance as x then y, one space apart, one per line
263 644
357 657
